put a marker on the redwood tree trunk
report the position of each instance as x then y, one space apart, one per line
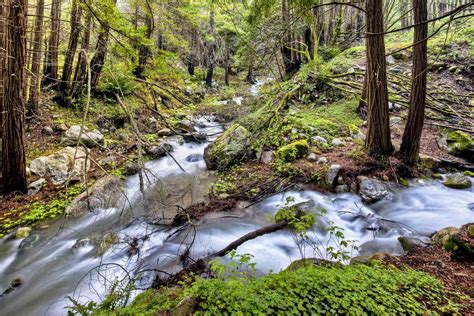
212 50
51 64
13 147
410 148
35 82
2 60
80 75
378 141
72 47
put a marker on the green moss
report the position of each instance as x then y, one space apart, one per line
349 290
292 151
469 173
39 211
460 142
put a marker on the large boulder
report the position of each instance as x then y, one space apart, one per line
461 144
87 138
105 193
458 242
332 175
68 164
373 190
230 148
458 181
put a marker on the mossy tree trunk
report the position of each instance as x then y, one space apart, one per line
378 141
411 137
13 146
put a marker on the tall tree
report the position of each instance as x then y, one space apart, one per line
98 61
13 147
35 82
378 141
410 147
212 48
144 52
80 74
51 64
72 47
2 59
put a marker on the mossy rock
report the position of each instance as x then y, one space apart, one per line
308 262
229 149
292 151
458 181
461 144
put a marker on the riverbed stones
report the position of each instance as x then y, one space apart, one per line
442 236
458 181
22 232
105 193
461 144
373 190
68 164
409 243
164 132
428 162
185 126
332 175
87 138
160 150
194 158
36 186
229 149
109 239
268 156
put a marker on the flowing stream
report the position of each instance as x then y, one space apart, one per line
60 259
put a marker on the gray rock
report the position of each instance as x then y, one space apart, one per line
267 157
105 193
81 243
36 186
48 130
332 175
65 165
409 243
322 161
164 132
444 235
372 190
176 138
188 91
390 60
394 107
159 150
318 139
344 188
458 181
107 242
195 137
132 168
312 157
185 126
194 158
337 142
395 122
88 138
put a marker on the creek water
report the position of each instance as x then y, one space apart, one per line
61 260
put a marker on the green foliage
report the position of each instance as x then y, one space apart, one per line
349 290
241 265
39 211
460 142
297 220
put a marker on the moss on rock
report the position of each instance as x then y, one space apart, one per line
292 151
461 144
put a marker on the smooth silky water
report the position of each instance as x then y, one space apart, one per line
61 260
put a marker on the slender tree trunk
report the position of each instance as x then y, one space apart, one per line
13 147
52 63
71 50
212 49
144 52
378 141
2 61
80 76
362 108
411 137
35 82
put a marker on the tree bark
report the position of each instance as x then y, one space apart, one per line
80 75
410 147
13 147
51 64
144 50
378 141
2 60
71 50
212 49
362 108
35 82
